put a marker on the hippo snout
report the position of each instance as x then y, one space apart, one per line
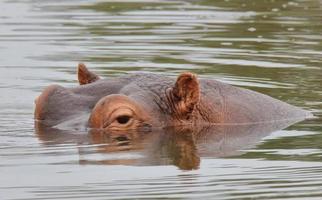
43 108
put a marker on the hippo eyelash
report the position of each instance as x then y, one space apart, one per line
123 119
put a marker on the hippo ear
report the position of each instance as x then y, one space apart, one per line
85 76
187 93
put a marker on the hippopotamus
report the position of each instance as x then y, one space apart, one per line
141 101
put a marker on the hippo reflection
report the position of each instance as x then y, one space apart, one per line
182 146
144 101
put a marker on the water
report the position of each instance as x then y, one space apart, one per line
273 47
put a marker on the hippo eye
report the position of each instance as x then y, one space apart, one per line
123 119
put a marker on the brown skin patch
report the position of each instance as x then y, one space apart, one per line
85 76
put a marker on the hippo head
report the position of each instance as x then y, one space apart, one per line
124 103
145 100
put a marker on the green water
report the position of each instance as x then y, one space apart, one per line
273 47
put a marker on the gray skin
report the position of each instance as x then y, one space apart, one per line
160 101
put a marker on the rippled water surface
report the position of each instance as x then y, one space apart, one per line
270 46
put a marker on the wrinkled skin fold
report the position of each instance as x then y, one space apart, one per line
144 101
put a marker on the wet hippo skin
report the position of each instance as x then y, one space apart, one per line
144 100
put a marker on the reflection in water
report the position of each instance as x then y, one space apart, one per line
180 146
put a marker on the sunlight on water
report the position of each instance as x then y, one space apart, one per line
273 47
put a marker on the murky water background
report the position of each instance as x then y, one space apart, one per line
274 47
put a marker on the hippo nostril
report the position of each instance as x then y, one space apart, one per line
45 108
